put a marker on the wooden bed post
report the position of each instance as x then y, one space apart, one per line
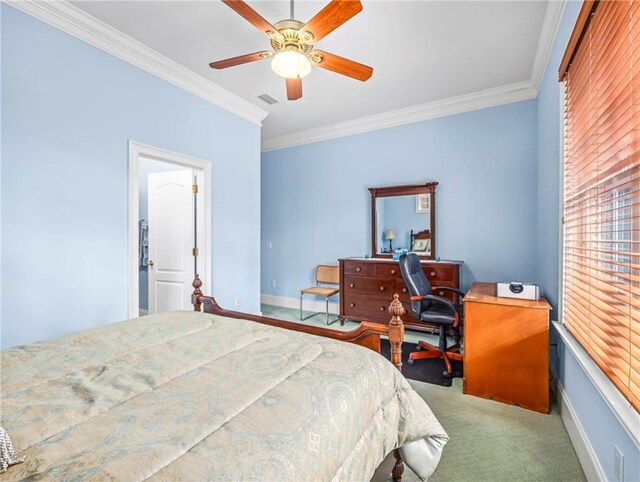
396 331
195 297
396 336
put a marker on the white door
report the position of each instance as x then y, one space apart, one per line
171 240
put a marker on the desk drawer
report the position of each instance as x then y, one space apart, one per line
359 268
370 286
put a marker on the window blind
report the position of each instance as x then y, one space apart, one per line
601 267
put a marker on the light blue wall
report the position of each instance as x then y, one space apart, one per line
600 425
1 176
68 111
316 206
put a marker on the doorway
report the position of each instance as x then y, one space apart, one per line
169 228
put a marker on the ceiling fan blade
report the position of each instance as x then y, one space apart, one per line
341 65
242 59
294 89
253 17
330 18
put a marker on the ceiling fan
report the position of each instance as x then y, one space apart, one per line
293 43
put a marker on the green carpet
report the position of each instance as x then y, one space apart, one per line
493 441
489 441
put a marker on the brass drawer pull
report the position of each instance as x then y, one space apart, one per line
440 293
382 308
393 271
358 269
352 305
351 285
382 288
433 273
404 290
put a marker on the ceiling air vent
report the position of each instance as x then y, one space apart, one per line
268 99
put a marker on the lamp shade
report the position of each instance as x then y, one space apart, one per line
390 234
291 64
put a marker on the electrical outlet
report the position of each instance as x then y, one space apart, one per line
273 283
618 466
237 301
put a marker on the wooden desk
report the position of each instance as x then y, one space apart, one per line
506 348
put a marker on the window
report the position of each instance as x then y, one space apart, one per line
601 272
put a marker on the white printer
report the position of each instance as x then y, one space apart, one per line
522 291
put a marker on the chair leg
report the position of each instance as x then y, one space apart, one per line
326 305
441 351
310 316
326 310
448 353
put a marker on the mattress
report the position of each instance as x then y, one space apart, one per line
195 396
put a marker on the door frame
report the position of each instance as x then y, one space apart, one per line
136 150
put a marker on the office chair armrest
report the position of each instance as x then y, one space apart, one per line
448 288
444 301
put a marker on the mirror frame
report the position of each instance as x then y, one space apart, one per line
405 190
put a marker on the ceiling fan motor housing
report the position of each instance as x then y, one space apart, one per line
292 38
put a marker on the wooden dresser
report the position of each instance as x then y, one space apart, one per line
506 348
367 286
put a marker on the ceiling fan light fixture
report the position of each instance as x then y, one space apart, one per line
291 64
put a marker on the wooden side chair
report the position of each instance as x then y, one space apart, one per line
325 274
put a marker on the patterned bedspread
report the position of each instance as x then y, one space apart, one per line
194 396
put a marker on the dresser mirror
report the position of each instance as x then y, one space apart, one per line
403 217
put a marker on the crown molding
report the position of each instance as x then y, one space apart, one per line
440 108
74 21
505 94
550 26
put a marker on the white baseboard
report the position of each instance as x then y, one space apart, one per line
309 304
586 455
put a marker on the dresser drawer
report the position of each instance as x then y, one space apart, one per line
370 286
367 307
440 274
402 290
388 270
359 268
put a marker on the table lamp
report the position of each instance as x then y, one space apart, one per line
390 236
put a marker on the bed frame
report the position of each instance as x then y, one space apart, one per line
367 334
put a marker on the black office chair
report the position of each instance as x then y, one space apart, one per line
433 309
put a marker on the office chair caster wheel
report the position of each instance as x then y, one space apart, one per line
418 348
447 375
410 361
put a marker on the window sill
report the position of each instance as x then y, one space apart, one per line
627 415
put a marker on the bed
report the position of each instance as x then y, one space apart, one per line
214 395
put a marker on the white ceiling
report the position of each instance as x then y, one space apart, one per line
421 51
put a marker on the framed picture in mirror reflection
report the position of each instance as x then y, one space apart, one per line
423 203
421 246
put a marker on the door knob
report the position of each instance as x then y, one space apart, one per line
150 263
